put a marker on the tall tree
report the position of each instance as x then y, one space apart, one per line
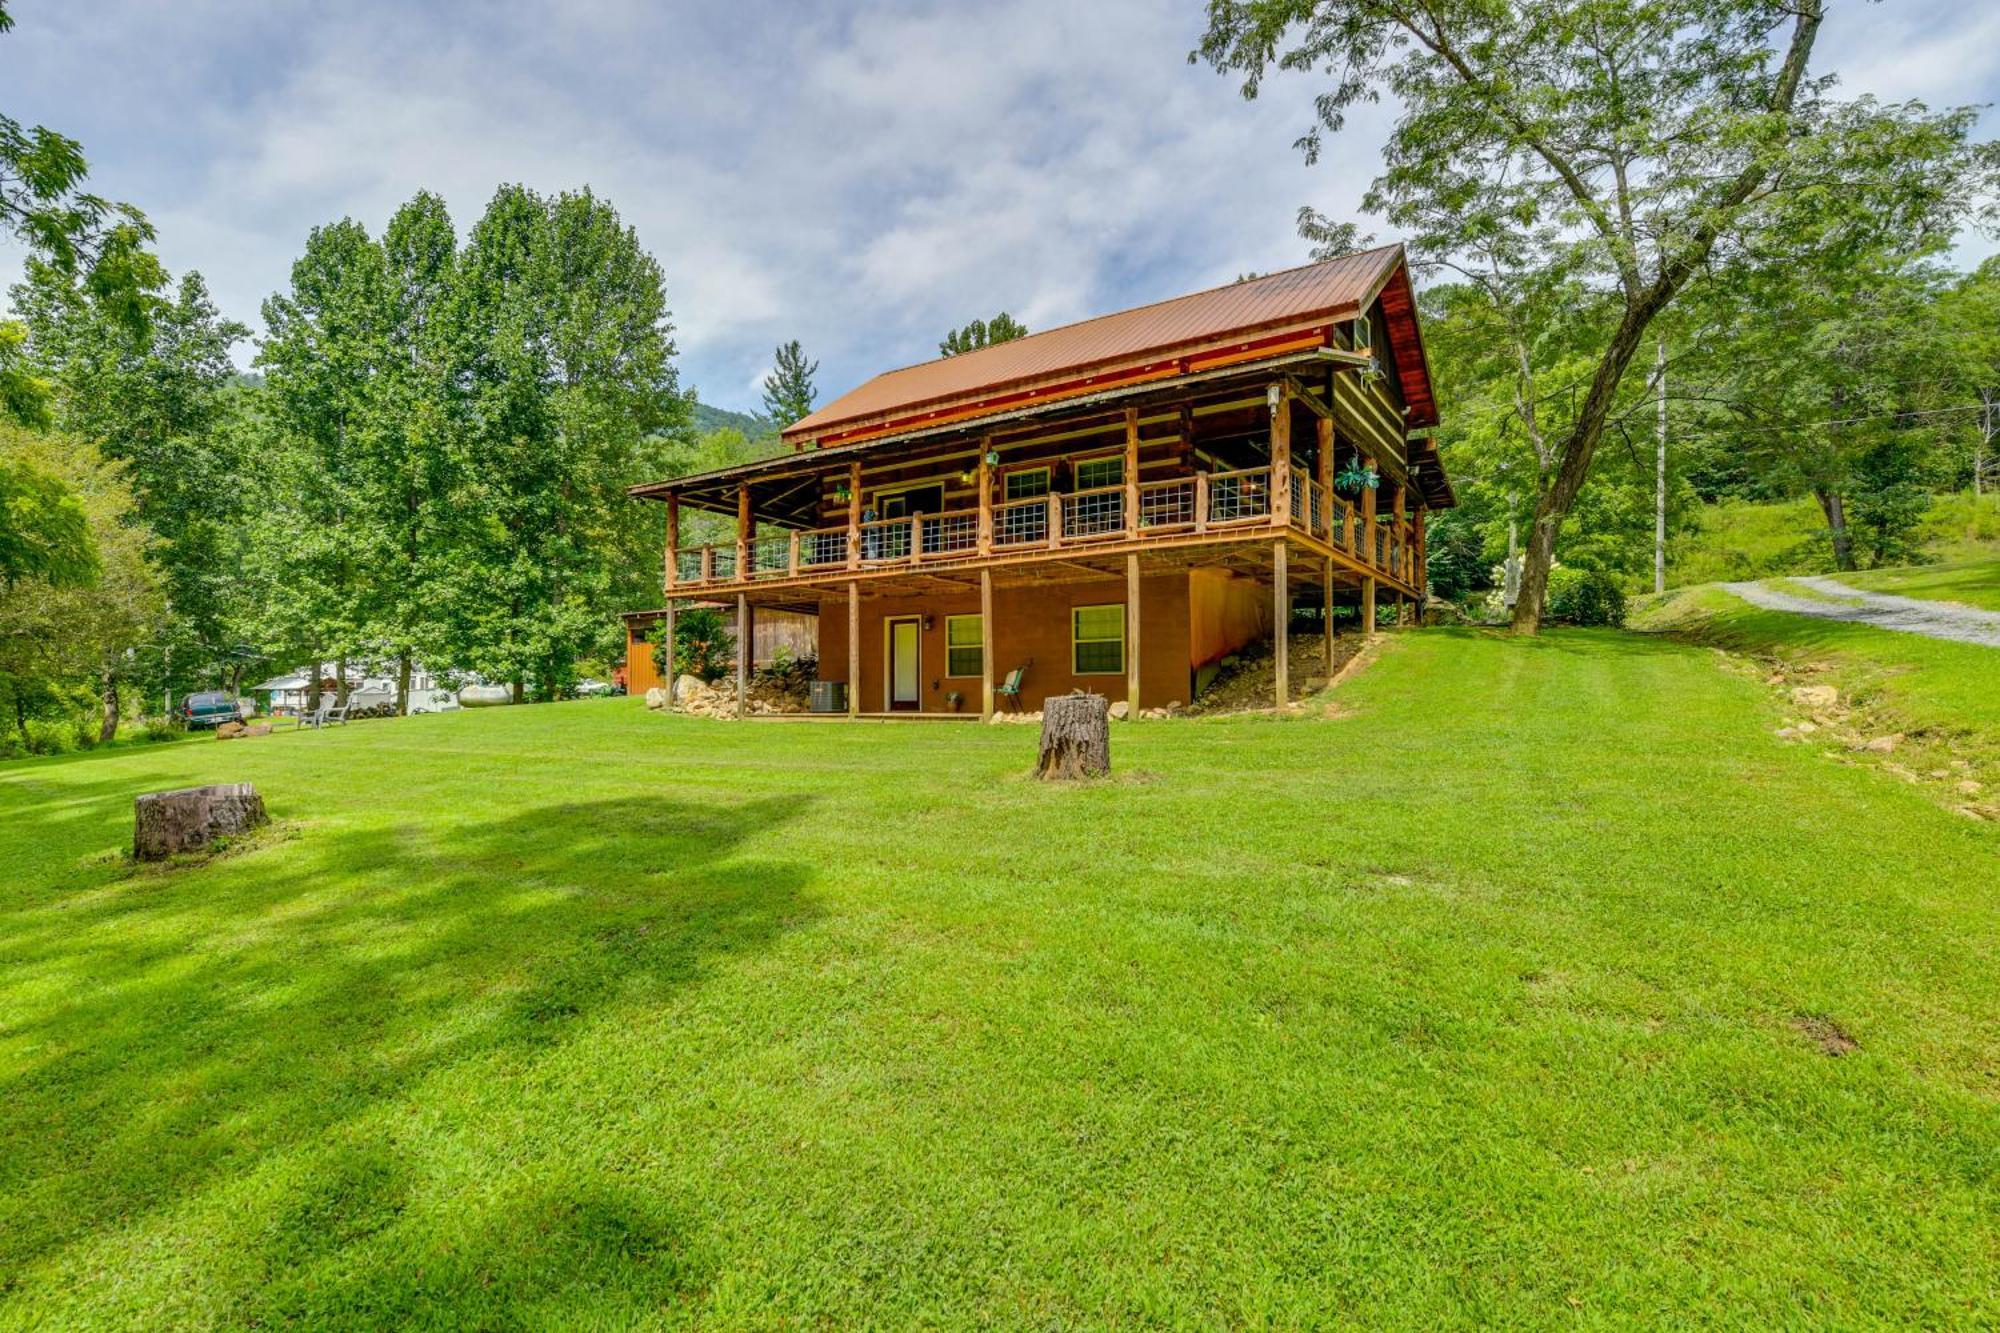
1618 144
562 319
156 396
1002 328
60 642
788 389
324 359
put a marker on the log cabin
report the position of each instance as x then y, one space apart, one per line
1113 505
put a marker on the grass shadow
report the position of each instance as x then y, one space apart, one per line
244 1016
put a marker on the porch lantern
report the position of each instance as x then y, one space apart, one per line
993 458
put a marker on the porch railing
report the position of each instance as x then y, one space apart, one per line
1097 512
1218 500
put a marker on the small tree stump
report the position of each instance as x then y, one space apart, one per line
1076 738
166 822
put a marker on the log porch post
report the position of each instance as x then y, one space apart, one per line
743 636
1281 622
1281 453
672 564
1323 469
985 484
1367 519
986 645
1131 629
1367 605
1421 574
1132 472
854 515
854 647
745 525
1326 616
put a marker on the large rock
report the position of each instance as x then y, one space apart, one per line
1120 711
229 731
686 686
1813 697
166 822
656 698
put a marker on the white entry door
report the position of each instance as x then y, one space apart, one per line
905 671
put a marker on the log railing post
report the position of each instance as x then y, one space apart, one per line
1132 474
854 515
746 531
1281 454
673 540
792 559
984 481
1323 472
708 562
1201 502
1055 519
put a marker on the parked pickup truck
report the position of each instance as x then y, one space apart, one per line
210 708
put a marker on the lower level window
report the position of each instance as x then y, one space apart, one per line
964 646
1097 640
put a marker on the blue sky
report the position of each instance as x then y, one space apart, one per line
861 177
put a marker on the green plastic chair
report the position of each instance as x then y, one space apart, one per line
1011 687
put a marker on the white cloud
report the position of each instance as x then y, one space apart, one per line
861 179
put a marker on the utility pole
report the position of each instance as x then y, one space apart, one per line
1660 469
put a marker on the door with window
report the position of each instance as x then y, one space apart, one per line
905 666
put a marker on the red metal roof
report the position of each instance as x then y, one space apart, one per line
1314 295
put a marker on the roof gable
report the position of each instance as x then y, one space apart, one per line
1312 295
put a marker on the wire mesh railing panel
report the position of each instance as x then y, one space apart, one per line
1022 523
723 561
687 565
947 534
1167 504
1094 513
771 557
886 539
1239 495
826 546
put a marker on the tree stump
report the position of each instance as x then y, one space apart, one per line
1076 738
166 822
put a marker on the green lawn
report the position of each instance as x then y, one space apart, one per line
1504 999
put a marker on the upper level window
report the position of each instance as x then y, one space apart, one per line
1094 472
1026 484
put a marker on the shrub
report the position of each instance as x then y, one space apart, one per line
1584 597
160 729
51 737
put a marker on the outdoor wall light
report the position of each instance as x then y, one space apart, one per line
993 458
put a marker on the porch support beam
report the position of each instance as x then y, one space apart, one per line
1131 470
744 634
986 645
1278 399
670 567
746 528
854 644
1326 616
1368 605
1281 622
1132 631
669 621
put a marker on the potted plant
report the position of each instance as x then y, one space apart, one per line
1354 478
952 700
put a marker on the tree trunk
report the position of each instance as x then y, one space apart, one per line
107 730
520 690
1076 738
403 685
340 686
166 822
1835 508
312 687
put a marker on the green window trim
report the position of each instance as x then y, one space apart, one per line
1092 473
1034 483
964 646
1097 640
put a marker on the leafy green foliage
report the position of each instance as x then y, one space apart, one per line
1002 328
43 532
703 647
788 389
1585 597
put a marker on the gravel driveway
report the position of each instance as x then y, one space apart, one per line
1909 615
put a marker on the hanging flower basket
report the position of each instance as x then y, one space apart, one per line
1353 479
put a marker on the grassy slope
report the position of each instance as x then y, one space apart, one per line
1478 1005
1974 581
1925 684
1739 540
